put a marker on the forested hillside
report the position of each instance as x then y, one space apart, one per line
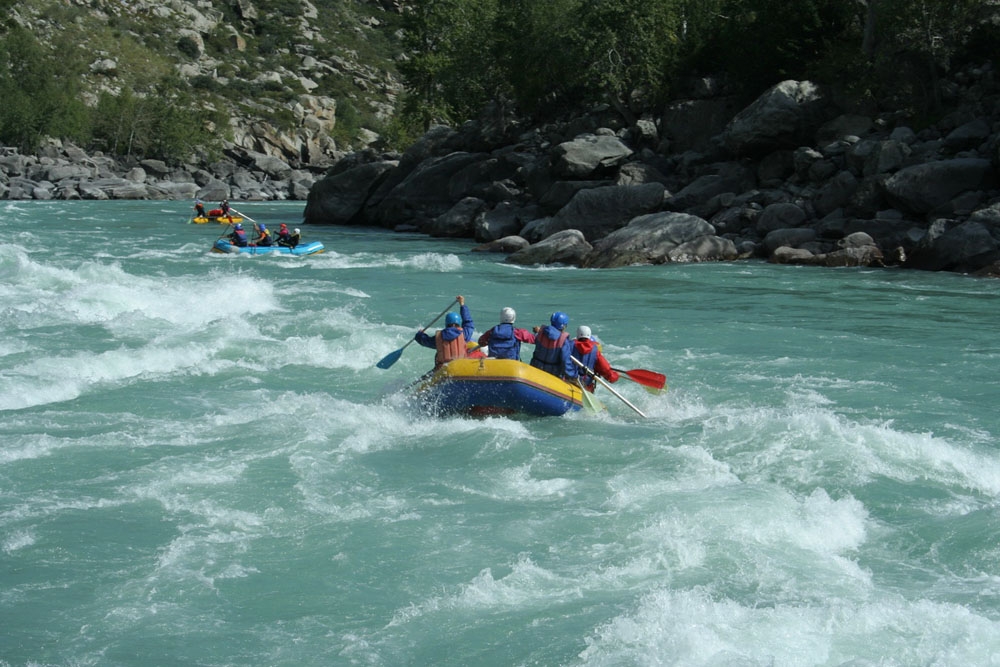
545 57
306 80
168 79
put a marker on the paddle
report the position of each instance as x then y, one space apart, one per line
391 358
223 234
233 210
590 402
606 385
651 379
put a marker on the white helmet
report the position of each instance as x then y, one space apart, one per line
507 315
583 331
297 230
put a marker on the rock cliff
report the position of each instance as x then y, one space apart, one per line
792 177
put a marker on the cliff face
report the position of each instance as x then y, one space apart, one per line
298 81
792 177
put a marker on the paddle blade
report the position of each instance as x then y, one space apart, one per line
389 359
650 379
591 402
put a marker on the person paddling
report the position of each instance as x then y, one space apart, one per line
238 237
588 351
504 340
284 236
264 238
554 349
450 342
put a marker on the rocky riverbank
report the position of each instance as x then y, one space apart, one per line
793 177
64 171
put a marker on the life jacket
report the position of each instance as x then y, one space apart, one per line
548 352
240 238
448 350
503 343
265 238
586 352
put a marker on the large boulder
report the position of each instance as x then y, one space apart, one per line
648 239
498 222
458 220
968 136
424 194
588 153
705 249
599 211
780 215
274 167
561 193
931 186
966 248
214 190
338 199
727 177
787 115
566 247
506 245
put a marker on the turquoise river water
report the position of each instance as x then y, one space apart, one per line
201 465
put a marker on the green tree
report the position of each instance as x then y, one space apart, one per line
630 50
449 46
39 92
539 62
913 41
761 42
145 125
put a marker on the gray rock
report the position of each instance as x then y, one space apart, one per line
498 222
704 249
836 193
780 216
966 248
506 245
561 193
60 172
423 195
648 239
792 238
968 136
458 220
581 157
214 190
565 247
599 211
729 177
931 186
156 167
783 117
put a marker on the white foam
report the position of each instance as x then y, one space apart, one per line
695 627
18 539
429 261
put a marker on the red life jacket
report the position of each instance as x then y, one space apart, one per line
447 350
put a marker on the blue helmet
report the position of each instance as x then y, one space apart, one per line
452 318
238 226
559 319
262 226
